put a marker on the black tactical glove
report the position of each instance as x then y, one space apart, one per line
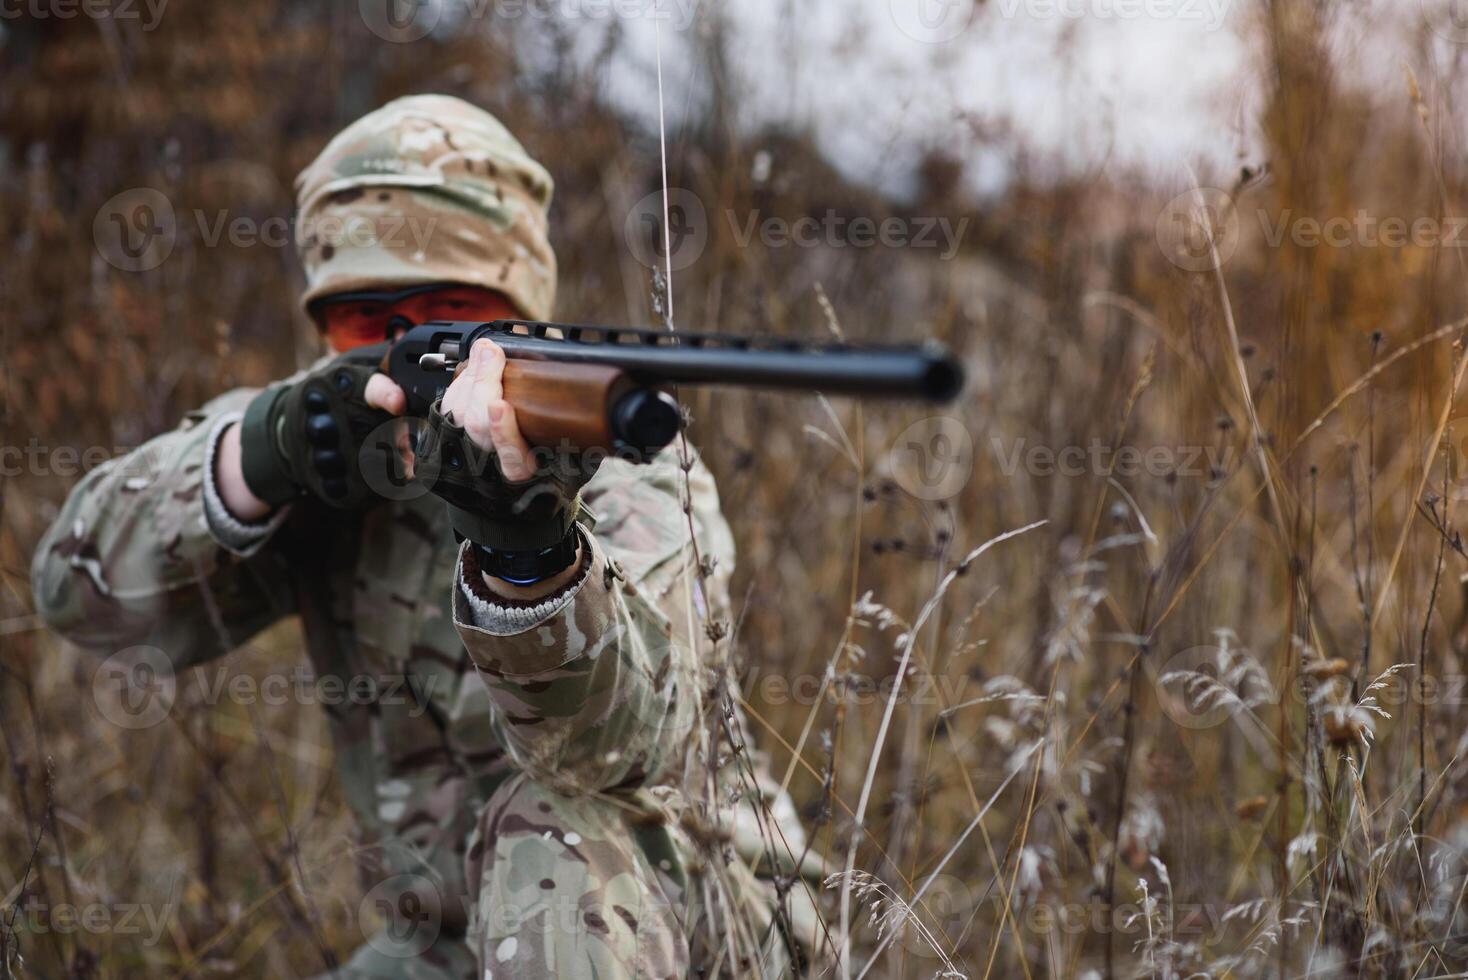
304 437
524 529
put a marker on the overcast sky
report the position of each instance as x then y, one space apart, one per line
1148 86
1083 82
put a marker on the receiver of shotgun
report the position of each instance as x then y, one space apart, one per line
583 387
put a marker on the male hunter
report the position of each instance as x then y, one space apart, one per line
549 803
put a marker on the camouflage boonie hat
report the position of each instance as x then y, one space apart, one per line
427 189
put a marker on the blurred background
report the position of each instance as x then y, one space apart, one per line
1204 262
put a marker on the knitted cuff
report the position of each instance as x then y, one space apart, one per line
501 616
234 535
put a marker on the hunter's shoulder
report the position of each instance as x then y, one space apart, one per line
235 400
228 403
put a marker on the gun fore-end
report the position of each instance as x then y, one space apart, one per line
558 406
587 406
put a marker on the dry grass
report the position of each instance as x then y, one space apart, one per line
1174 730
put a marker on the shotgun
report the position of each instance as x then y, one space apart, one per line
599 387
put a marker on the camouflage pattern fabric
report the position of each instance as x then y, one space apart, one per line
596 886
427 189
583 703
586 866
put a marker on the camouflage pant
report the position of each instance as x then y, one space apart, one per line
384 958
583 887
589 886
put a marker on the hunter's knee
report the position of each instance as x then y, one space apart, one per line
567 883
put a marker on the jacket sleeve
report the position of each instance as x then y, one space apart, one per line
600 686
133 560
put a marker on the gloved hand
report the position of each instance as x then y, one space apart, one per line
304 437
501 495
486 507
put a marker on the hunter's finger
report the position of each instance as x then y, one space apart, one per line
487 364
383 392
516 462
490 362
451 405
476 423
403 441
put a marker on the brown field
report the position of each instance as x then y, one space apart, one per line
1208 718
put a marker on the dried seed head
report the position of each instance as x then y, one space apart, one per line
1252 808
1348 724
1321 669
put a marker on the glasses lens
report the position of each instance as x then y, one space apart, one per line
365 320
355 323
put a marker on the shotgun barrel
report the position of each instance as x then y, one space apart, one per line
586 386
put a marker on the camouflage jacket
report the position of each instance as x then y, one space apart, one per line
598 694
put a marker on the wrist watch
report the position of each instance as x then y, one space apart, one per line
529 567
